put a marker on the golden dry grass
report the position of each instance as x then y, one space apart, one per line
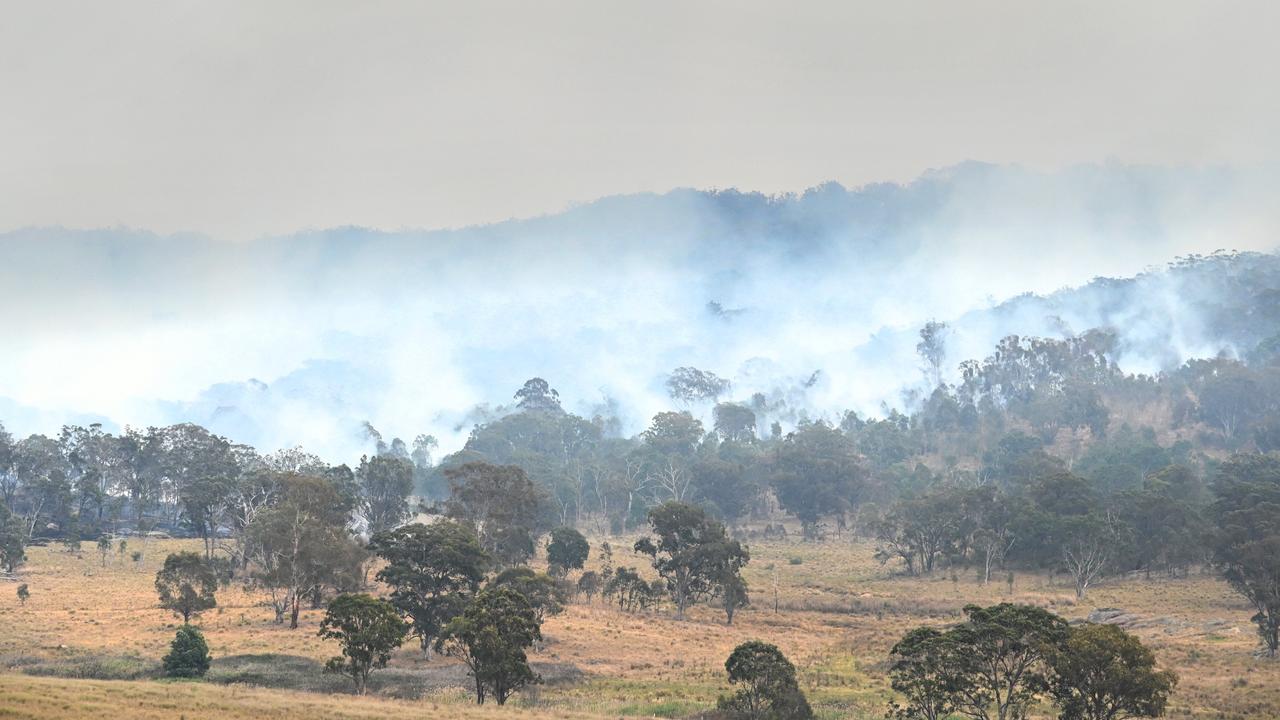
39 698
840 612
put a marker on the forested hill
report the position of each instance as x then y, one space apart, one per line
812 301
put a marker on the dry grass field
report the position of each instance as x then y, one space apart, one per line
88 643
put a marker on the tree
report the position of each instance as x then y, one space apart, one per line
734 422
385 484
433 570
13 540
258 488
104 548
999 654
673 435
1104 673
41 475
202 467
769 690
589 584
567 550
23 594
188 655
300 544
932 349
1017 460
545 595
537 395
1230 399
924 670
689 384
368 630
993 516
632 592
816 474
500 503
1246 546
920 530
693 553
1168 532
9 480
186 585
1089 545
725 486
731 588
490 637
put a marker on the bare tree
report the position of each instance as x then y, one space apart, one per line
1088 545
631 481
674 480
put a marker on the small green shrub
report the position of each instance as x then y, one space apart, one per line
188 654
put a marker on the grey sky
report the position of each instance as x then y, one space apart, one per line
241 119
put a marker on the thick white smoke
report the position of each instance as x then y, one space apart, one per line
299 339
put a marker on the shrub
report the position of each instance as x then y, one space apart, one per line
188 654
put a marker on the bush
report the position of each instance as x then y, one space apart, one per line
188 654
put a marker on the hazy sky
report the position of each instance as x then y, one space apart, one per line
251 118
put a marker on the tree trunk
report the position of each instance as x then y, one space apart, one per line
293 616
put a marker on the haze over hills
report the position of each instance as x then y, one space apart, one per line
813 300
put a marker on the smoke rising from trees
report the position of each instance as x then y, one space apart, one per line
806 305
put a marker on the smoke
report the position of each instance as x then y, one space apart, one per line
811 300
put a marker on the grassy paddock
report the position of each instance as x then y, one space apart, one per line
24 697
97 631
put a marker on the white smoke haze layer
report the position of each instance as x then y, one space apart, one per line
299 339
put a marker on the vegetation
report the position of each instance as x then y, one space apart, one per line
1045 462
1247 544
490 637
186 585
1102 672
300 545
500 504
769 690
1005 658
188 654
544 594
385 484
433 571
13 540
368 630
692 552
566 550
